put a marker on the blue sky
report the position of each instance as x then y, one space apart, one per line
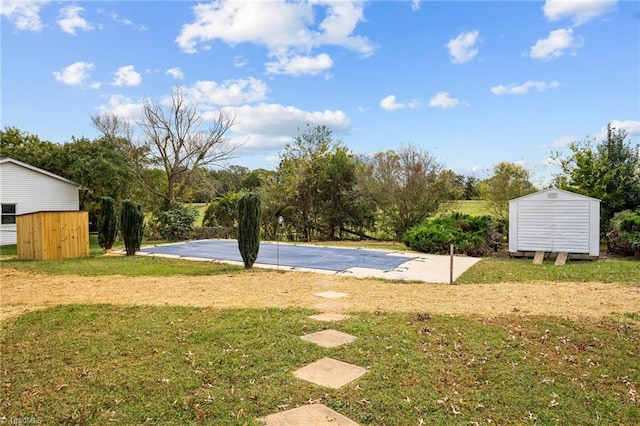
474 83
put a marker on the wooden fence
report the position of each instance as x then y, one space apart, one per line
53 235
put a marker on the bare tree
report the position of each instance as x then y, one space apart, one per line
174 140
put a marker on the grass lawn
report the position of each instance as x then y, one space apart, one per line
499 270
102 364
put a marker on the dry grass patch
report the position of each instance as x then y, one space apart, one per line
24 291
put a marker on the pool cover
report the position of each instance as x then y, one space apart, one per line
289 255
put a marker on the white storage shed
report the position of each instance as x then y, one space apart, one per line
555 221
27 189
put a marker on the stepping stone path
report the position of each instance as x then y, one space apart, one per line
329 338
326 372
330 373
309 415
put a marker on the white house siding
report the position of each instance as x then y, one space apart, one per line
555 221
32 191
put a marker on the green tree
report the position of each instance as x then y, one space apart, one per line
407 186
30 149
132 226
509 181
314 186
249 213
608 170
107 223
223 211
99 167
468 185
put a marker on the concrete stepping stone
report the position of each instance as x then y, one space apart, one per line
308 415
329 317
330 373
331 294
329 338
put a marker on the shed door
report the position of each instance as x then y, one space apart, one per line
555 226
535 221
571 226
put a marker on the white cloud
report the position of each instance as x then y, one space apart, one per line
124 21
415 5
464 47
390 103
69 20
443 100
285 28
297 65
117 18
580 11
123 107
175 72
555 44
75 74
280 120
230 92
272 126
524 88
127 76
24 14
239 61
631 127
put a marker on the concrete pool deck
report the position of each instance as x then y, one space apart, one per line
356 262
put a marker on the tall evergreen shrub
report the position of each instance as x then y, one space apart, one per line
107 223
249 214
132 226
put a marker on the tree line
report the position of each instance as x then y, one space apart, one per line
320 189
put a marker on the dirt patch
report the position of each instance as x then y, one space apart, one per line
21 292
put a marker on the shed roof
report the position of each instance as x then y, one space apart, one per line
561 191
39 170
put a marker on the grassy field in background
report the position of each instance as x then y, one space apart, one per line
470 207
201 208
105 364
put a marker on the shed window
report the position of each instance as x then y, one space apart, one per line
8 214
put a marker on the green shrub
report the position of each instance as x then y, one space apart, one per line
132 226
624 235
107 223
249 213
471 235
223 211
177 223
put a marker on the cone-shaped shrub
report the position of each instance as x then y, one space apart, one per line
132 226
107 223
249 213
